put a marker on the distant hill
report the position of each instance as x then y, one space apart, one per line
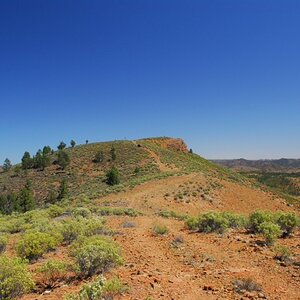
264 165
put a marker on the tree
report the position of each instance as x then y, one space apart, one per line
7 165
99 157
25 197
63 159
38 160
26 161
63 190
61 146
113 153
86 141
191 151
112 176
72 143
47 150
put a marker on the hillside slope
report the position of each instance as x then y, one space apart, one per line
161 185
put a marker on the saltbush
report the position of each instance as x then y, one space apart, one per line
95 255
82 212
52 272
270 231
257 218
287 222
15 280
160 229
212 222
34 244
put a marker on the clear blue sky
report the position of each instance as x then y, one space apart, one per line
224 75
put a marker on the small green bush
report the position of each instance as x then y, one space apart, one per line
192 223
257 218
212 222
160 229
99 289
282 253
3 242
15 280
234 220
55 211
52 272
112 176
34 244
287 222
95 255
270 231
70 229
82 212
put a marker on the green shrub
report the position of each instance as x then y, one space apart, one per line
287 222
270 231
113 287
99 289
70 229
15 280
234 220
95 255
112 176
212 222
52 272
283 253
192 223
34 244
82 212
55 211
3 242
160 229
257 218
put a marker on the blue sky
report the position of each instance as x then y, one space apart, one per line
223 75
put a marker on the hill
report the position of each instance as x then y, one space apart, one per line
263 165
150 215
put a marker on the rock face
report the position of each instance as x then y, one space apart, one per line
171 143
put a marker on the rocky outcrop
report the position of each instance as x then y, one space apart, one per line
170 143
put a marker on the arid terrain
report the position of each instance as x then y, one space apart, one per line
165 185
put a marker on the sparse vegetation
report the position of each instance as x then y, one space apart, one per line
112 176
246 285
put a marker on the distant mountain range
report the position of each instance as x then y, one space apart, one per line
263 165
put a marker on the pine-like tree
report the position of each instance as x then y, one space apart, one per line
7 165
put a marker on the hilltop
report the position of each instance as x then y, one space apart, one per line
150 215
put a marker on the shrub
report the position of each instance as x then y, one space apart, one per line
95 255
112 176
287 222
15 280
3 242
212 222
192 223
99 289
270 231
34 244
82 211
113 287
52 272
283 253
234 220
247 284
70 230
55 211
257 218
160 229
99 157
92 291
